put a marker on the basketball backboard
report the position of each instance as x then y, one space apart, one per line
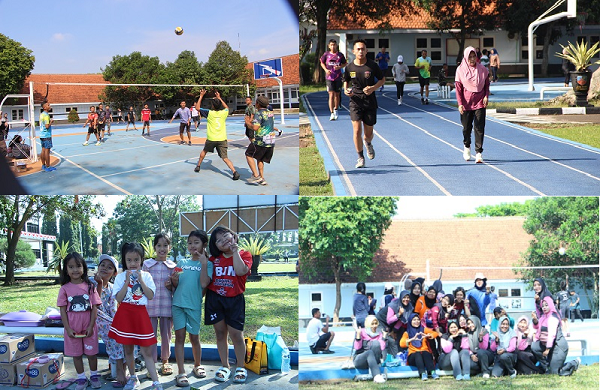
273 68
572 8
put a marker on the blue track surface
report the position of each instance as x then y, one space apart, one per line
419 151
128 163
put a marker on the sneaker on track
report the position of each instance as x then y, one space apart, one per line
478 158
467 153
370 151
360 163
85 143
332 117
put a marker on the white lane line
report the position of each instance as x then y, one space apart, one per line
332 151
114 150
94 175
459 150
519 148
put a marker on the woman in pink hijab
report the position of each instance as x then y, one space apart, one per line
472 90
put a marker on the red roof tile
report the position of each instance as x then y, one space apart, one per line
58 94
418 20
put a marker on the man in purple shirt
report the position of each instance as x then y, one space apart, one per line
185 117
332 62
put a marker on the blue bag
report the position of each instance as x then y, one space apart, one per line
275 346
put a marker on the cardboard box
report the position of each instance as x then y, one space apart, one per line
15 346
41 372
8 371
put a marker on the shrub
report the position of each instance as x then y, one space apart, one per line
73 116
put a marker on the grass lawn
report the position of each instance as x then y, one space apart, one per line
277 267
313 178
584 134
585 378
273 302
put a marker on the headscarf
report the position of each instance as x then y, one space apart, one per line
413 297
474 335
494 51
505 336
412 331
429 303
408 309
444 310
542 294
472 78
544 318
457 340
519 333
368 324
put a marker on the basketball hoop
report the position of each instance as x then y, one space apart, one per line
581 17
265 76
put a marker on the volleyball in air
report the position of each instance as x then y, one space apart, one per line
178 31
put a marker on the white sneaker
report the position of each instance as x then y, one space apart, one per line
486 376
379 379
85 143
335 114
467 153
98 143
360 163
332 117
399 102
478 158
370 151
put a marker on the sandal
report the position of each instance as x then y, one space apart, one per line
199 372
241 372
222 374
181 380
166 369
66 383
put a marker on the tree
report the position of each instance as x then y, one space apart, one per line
463 18
24 256
499 210
16 64
185 70
134 68
570 223
361 11
16 210
68 232
342 234
73 116
227 66
48 228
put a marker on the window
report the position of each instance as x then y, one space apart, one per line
488 43
436 56
384 43
315 297
436 42
17 114
428 44
539 40
422 43
524 54
582 38
38 253
539 54
515 292
33 227
503 292
370 43
69 109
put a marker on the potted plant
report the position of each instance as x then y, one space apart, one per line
256 245
581 56
148 245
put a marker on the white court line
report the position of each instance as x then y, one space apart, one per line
517 147
94 175
99 151
332 151
454 147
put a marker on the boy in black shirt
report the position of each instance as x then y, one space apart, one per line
360 85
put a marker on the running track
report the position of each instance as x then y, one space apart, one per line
419 152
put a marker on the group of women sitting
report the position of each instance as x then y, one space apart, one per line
450 329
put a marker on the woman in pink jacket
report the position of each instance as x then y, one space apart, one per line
472 90
479 346
456 354
369 346
504 342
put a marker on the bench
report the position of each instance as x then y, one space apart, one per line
33 330
583 345
544 89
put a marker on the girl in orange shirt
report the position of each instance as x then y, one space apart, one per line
419 353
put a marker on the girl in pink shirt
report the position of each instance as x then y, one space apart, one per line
526 362
456 354
504 343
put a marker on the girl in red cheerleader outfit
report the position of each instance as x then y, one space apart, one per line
131 325
227 270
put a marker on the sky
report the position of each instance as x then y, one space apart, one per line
444 207
70 36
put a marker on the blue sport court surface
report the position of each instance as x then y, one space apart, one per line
418 150
127 163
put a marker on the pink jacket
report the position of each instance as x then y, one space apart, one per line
358 344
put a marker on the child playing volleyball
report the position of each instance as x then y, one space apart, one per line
188 285
131 326
225 305
159 308
78 302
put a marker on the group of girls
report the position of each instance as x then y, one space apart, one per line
450 330
127 309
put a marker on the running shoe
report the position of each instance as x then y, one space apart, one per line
51 168
255 180
514 374
399 102
423 377
181 142
332 117
335 114
85 143
422 101
132 383
467 153
486 376
197 169
190 143
98 143
379 379
156 386
370 151
434 375
426 101
236 175
263 182
381 89
478 158
360 163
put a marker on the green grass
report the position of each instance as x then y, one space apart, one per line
313 178
585 378
277 267
584 134
272 302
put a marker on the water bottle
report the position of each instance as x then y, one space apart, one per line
285 361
